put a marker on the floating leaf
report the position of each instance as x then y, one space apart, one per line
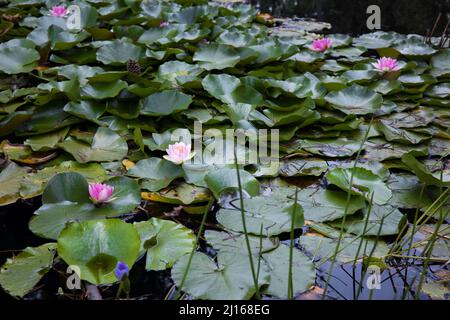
106 146
165 103
355 100
303 167
20 274
18 57
325 248
164 242
229 278
327 205
225 180
303 272
97 246
66 198
158 173
216 56
273 215
364 183
10 180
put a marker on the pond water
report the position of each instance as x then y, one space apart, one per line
403 16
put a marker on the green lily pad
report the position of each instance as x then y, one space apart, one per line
327 205
235 242
45 142
364 183
165 103
400 135
103 90
97 246
33 183
229 89
340 147
380 149
66 198
158 173
106 146
216 56
11 178
423 174
393 221
164 242
355 100
302 167
225 180
411 48
273 215
20 274
119 52
18 57
229 278
325 247
303 272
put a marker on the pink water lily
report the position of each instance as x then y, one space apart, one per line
59 11
386 64
100 192
320 45
163 24
179 152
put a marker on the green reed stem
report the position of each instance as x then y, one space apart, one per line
290 292
244 226
341 232
364 230
427 215
191 255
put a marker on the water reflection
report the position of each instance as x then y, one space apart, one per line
404 16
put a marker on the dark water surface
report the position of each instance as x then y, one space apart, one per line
349 16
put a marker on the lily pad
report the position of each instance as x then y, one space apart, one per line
303 272
273 215
106 146
327 205
11 179
97 246
364 183
165 103
229 278
225 180
216 56
158 173
18 57
164 242
355 100
303 167
20 274
324 248
66 198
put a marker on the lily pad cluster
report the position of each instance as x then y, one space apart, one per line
98 104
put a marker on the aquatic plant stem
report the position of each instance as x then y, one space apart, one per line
244 227
427 215
191 255
290 293
364 230
347 204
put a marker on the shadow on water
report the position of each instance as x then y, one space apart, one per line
403 16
